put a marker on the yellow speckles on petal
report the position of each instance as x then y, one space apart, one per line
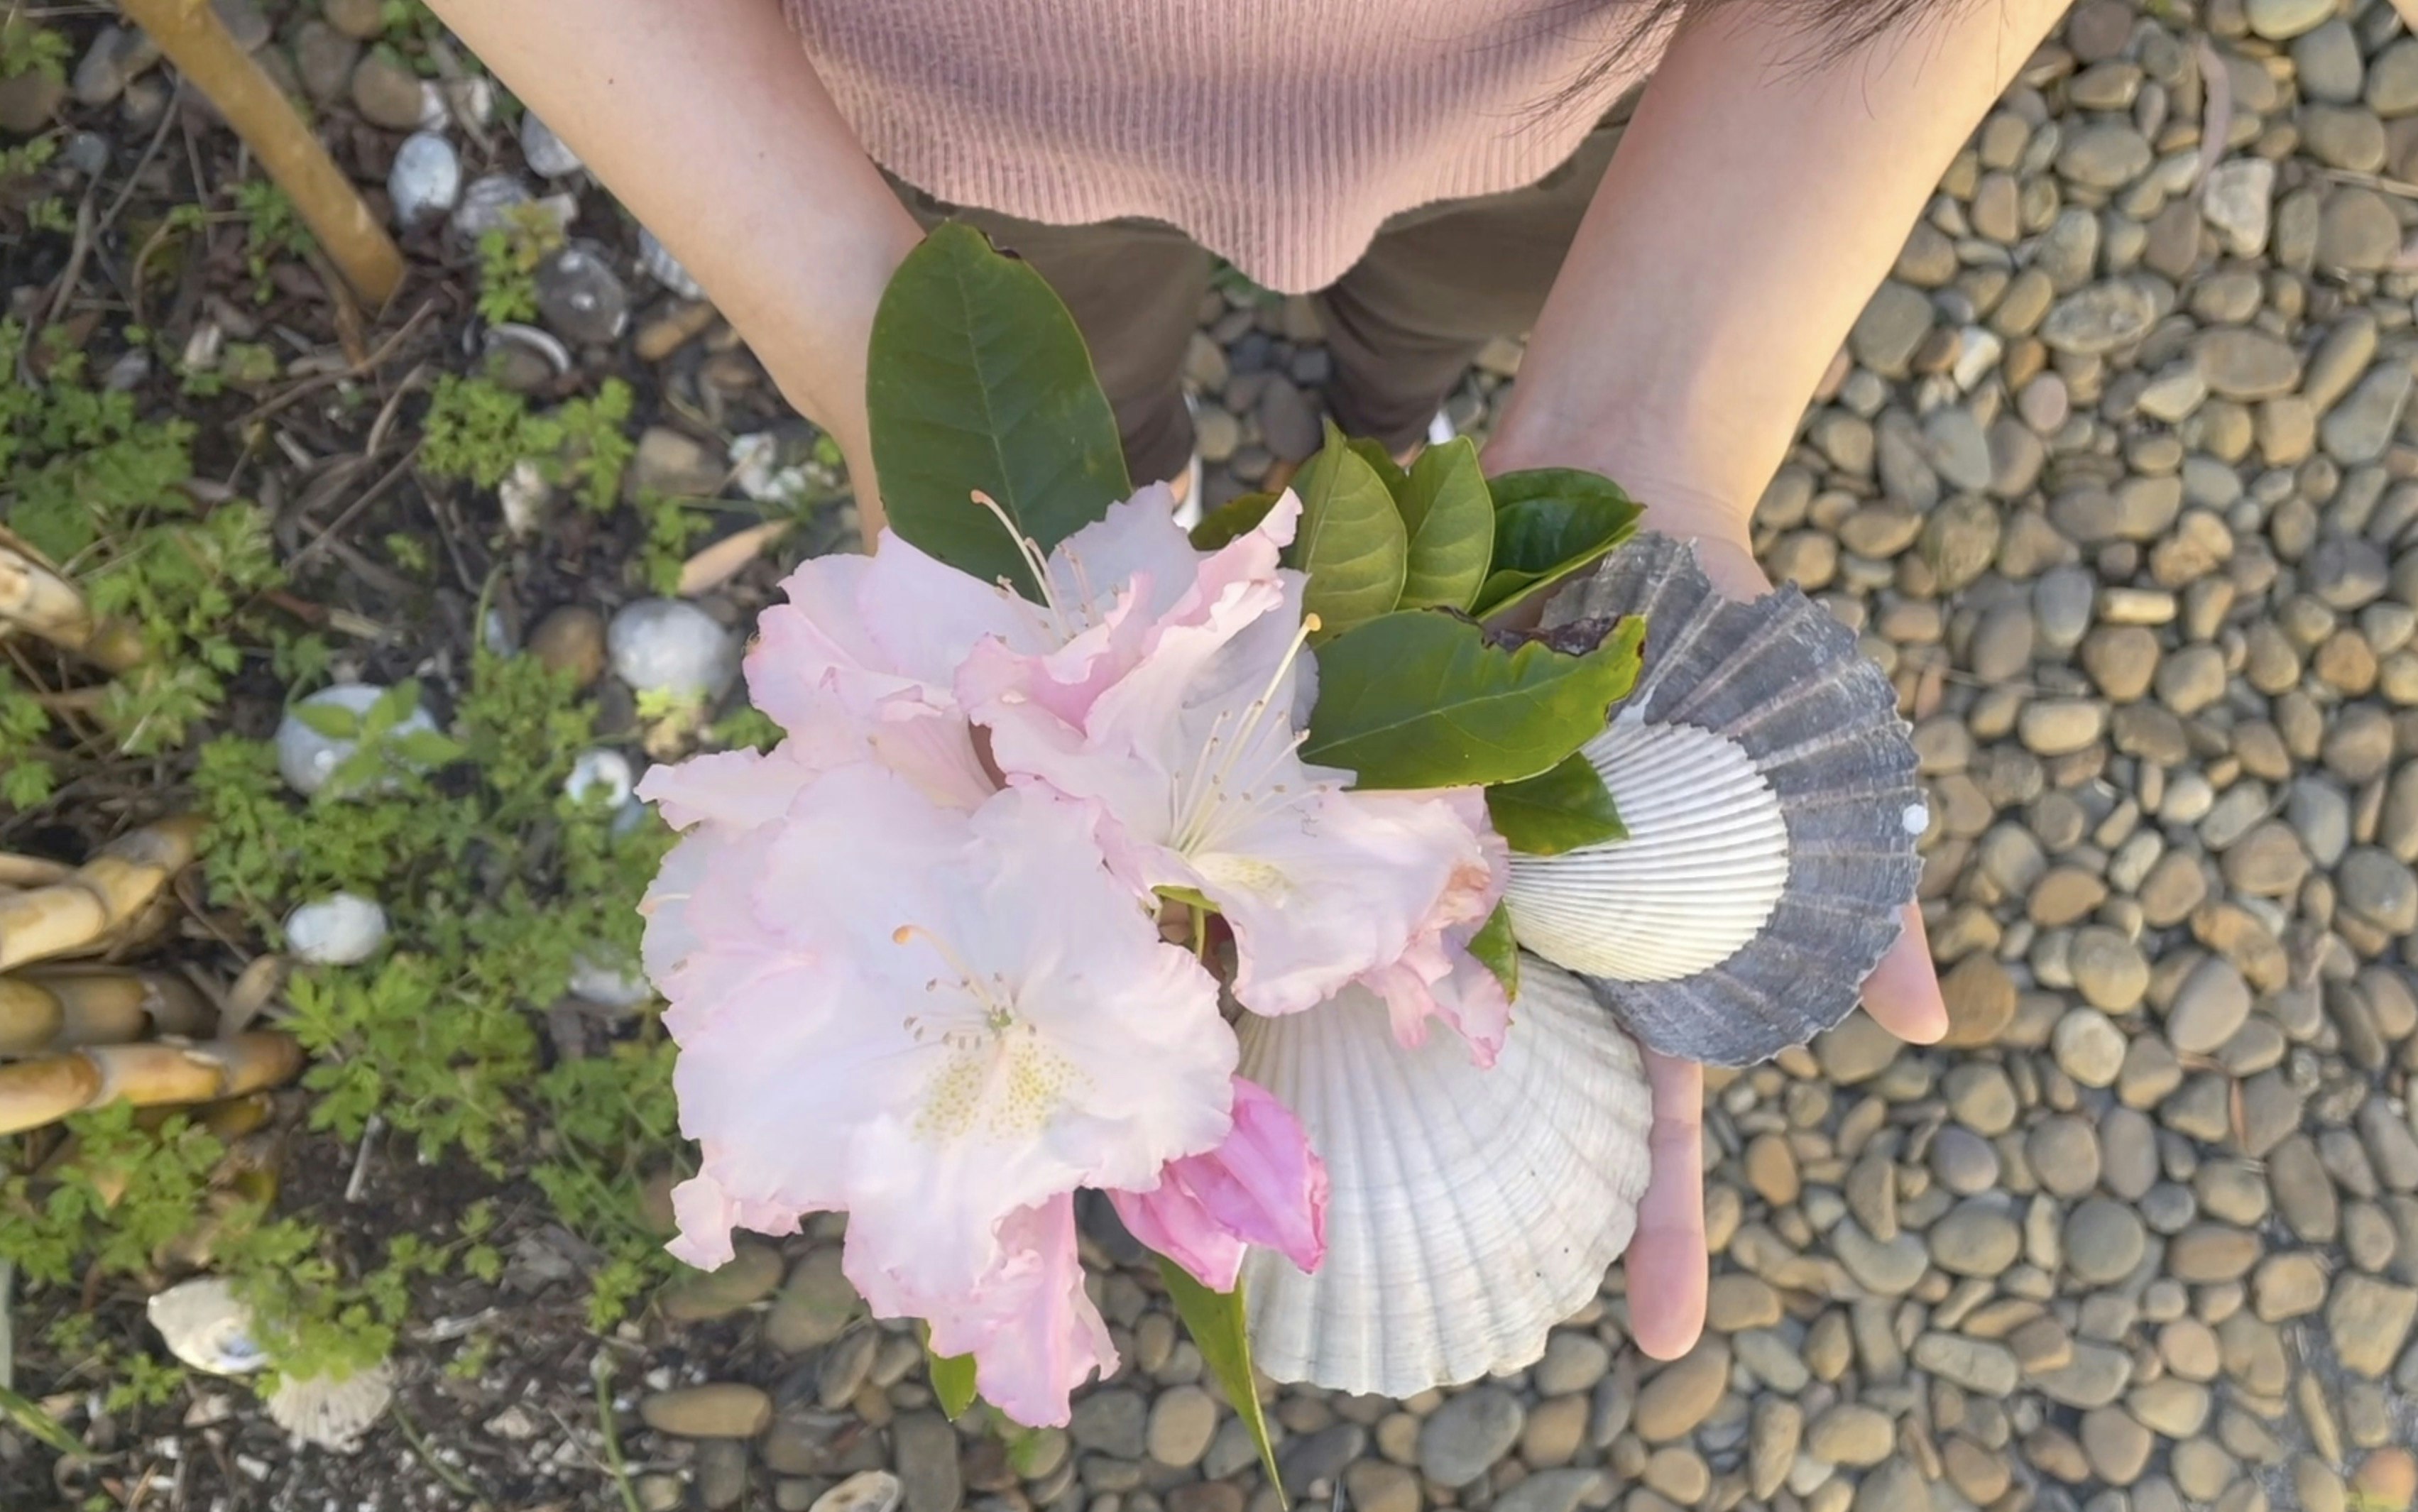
1224 869
1003 1083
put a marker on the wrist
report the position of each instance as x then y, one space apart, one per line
1676 501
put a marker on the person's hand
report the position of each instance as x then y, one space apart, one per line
1668 1264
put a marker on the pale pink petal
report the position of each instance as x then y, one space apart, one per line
1435 976
1264 1185
735 788
1051 1338
1323 892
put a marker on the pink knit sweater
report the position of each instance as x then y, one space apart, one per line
1279 134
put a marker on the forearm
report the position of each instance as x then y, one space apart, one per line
706 119
1759 197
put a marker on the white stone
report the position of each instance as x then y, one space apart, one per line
308 759
672 647
609 986
547 155
426 180
2238 203
665 269
600 776
341 929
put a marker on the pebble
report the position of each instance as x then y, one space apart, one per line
672 647
2103 1241
867 1490
1472 1430
580 298
1181 1422
2367 1319
386 93
1679 1396
725 1409
426 179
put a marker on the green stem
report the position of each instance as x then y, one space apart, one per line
613 1441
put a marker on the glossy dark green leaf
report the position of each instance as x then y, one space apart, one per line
1449 517
1351 539
979 381
1495 949
1220 526
1425 698
1549 524
1561 810
1215 1320
953 1381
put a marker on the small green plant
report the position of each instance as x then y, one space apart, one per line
478 430
272 230
25 48
98 488
435 1036
671 524
508 256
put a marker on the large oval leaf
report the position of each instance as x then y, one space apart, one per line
1423 699
978 380
1550 523
1351 539
1449 516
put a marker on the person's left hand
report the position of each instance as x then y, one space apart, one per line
1667 1261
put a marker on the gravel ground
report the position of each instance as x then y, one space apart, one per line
2116 479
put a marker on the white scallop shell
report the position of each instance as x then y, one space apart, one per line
204 1326
330 1412
1703 867
1471 1208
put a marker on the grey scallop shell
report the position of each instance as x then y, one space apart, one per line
1771 792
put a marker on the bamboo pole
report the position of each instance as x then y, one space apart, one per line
104 894
64 1008
194 37
36 598
154 1073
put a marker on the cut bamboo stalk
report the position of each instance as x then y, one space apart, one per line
34 598
32 871
156 1074
104 892
89 1006
35 1092
194 37
30 1018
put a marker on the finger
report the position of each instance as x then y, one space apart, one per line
1666 1259
1903 992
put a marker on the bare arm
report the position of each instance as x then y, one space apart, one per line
1759 197
706 119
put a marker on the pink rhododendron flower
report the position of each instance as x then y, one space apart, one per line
1191 752
1264 1185
1436 976
1035 1333
862 660
933 1020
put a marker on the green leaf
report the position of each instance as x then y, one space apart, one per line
1220 526
1450 514
393 707
34 1423
953 1381
426 749
1425 698
1562 810
334 721
1550 523
1381 463
978 379
1351 539
1497 951
1214 1319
